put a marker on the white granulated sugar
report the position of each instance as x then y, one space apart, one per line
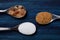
27 28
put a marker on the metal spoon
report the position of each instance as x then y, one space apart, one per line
54 17
26 28
17 11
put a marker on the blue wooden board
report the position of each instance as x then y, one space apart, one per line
46 32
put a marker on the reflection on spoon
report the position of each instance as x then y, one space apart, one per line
17 11
26 28
55 17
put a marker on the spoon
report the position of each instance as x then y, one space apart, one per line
17 11
54 17
26 28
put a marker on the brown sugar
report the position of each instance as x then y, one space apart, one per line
17 11
43 17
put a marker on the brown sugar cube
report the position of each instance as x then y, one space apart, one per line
17 11
43 17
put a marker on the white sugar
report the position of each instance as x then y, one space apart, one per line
27 28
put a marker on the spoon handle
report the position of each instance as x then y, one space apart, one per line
3 10
4 28
56 16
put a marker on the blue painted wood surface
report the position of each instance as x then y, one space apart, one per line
47 32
